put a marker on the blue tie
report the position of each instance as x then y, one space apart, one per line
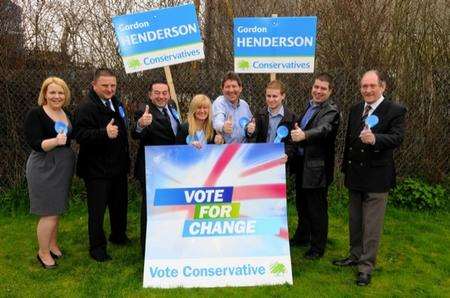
309 113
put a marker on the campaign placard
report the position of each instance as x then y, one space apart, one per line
216 216
158 37
274 45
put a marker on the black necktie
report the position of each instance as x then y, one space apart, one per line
166 114
109 105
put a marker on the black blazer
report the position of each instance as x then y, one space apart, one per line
100 156
318 158
159 132
370 168
262 127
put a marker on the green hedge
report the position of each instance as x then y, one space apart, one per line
416 194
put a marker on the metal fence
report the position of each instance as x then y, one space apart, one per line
424 152
406 39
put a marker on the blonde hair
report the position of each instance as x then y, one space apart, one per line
200 100
57 81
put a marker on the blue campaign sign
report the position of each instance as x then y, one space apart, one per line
281 44
158 38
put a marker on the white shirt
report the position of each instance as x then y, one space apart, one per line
374 105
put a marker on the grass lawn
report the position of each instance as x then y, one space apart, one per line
414 260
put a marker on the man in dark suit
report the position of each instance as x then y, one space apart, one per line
369 171
103 161
156 125
315 133
263 128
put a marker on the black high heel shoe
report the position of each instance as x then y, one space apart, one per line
55 256
45 265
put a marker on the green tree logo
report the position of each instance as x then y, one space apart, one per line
134 63
277 269
244 64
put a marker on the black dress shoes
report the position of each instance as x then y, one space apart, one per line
45 265
313 255
100 255
363 279
345 262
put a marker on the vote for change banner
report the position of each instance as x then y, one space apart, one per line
274 45
158 38
216 216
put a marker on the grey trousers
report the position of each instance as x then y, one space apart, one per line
366 215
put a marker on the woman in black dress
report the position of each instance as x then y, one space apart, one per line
198 129
50 165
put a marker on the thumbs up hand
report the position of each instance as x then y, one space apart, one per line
297 134
146 118
112 130
251 126
228 125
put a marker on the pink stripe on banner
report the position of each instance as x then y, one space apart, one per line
283 233
263 167
264 191
221 164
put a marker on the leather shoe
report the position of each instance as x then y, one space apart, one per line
363 279
345 262
313 255
45 265
100 255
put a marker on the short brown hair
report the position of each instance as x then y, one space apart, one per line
325 77
232 76
105 72
57 81
276 84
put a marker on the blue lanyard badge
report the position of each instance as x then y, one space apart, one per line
121 112
282 132
61 127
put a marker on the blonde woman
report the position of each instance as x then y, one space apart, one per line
198 129
50 166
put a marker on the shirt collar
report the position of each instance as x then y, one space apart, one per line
280 112
228 102
375 104
313 104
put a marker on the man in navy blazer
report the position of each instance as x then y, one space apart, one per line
157 124
369 170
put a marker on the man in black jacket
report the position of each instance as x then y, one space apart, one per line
157 124
315 133
369 170
103 161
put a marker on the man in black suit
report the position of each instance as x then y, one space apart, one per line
263 128
103 161
315 133
369 171
156 125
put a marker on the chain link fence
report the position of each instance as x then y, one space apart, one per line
424 152
405 39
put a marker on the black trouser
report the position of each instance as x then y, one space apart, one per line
111 193
312 210
143 214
